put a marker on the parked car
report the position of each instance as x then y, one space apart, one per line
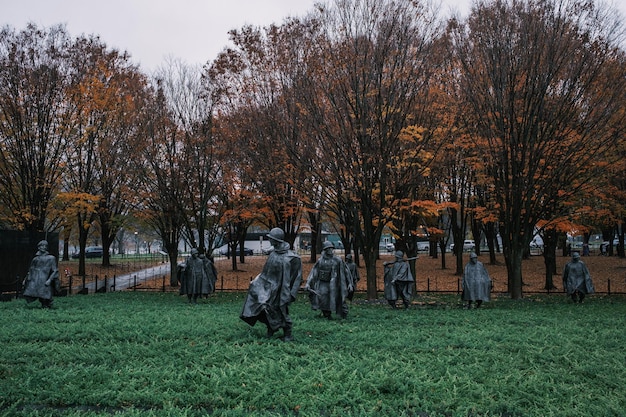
468 245
390 247
423 246
90 252
225 251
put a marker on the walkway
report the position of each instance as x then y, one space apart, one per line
126 281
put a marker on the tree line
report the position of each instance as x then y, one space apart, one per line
363 114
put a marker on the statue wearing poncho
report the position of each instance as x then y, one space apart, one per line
197 278
398 281
42 278
329 283
576 279
271 292
476 282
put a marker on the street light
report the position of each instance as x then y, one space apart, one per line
136 244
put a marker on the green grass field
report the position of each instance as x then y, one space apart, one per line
152 354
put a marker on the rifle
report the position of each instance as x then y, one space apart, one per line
310 290
405 260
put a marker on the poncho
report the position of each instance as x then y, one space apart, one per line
576 277
398 271
329 295
476 282
273 289
43 268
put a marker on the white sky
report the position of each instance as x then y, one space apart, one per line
194 31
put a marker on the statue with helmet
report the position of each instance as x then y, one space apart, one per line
329 283
275 288
576 279
42 279
197 277
354 272
476 283
398 281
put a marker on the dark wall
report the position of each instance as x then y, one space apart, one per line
17 249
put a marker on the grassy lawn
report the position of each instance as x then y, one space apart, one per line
152 354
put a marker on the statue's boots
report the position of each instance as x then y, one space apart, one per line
270 332
288 336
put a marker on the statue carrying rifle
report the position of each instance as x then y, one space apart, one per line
398 280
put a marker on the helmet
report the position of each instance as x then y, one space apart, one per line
473 255
277 234
576 255
348 257
327 244
399 254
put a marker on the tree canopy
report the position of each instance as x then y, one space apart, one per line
362 116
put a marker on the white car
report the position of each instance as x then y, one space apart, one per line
423 246
468 245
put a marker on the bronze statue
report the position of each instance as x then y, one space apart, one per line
476 283
576 279
43 277
354 272
398 281
198 277
211 271
329 283
271 292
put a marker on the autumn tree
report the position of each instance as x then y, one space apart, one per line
117 178
191 101
162 179
100 96
543 81
613 194
262 80
377 63
33 122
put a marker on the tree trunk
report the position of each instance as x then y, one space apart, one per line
82 244
369 257
476 233
66 243
620 241
107 239
514 272
550 261
459 258
173 257
316 228
492 240
231 252
550 241
242 254
170 243
442 246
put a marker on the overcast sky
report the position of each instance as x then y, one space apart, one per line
194 31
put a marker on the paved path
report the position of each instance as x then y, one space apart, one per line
126 281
